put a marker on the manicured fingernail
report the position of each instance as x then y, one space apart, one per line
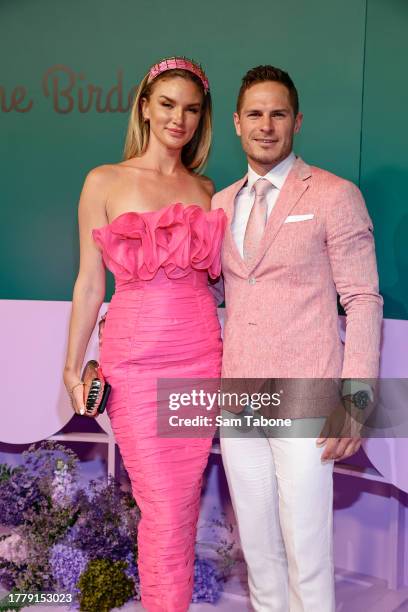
82 411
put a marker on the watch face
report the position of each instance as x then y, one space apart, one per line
361 399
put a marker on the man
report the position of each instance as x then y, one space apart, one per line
297 237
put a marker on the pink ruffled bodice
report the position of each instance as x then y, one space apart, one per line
176 238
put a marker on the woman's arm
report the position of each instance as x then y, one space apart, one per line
89 288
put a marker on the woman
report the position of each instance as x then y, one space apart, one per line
148 220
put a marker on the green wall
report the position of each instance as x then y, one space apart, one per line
384 154
335 52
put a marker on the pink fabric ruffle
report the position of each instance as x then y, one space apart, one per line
176 238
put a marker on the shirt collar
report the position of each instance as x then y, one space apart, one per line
276 176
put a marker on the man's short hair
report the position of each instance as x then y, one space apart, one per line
261 74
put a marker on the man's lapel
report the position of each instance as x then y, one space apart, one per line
229 242
294 187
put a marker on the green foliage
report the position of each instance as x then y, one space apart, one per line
5 471
6 606
48 523
104 586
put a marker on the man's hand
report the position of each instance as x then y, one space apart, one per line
339 448
340 434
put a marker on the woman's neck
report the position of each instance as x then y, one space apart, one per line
163 160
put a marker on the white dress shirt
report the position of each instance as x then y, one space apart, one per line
246 196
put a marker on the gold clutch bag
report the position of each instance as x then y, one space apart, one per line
96 389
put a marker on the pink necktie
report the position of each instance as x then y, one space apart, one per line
257 219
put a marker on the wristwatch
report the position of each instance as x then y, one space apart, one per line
360 399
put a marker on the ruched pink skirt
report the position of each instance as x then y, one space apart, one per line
162 328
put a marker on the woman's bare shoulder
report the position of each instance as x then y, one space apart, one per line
95 194
101 175
207 184
102 180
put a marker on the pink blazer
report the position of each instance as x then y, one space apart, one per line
281 313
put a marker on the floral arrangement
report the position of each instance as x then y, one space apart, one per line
64 538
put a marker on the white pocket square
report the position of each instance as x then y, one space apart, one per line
294 218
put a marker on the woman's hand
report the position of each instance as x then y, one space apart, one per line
75 389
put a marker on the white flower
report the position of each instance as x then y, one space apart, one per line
63 486
13 548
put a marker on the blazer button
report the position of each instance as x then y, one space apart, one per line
252 280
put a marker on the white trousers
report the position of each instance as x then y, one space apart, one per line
282 495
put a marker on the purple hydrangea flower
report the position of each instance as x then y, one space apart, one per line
67 565
207 588
132 572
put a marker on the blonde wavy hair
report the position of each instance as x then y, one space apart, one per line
195 153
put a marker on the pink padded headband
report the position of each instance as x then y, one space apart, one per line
178 62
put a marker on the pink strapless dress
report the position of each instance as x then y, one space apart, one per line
161 323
